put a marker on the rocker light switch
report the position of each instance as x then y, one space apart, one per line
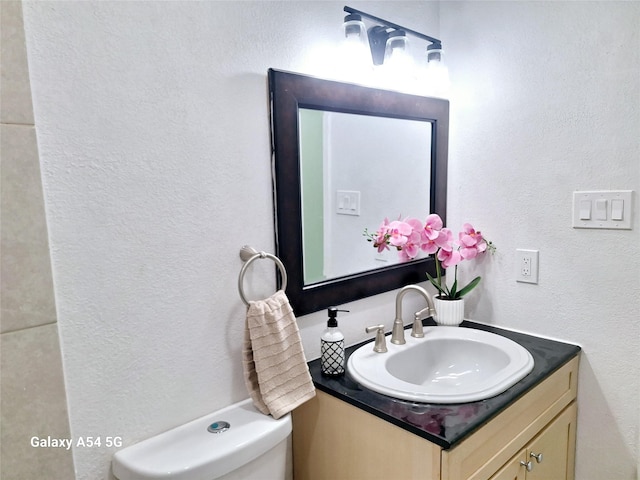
617 209
601 209
585 209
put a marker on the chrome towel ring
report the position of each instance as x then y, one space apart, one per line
249 254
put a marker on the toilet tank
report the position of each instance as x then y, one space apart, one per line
235 443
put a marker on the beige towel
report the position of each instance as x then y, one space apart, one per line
275 369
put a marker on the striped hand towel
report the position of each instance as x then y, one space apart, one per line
275 368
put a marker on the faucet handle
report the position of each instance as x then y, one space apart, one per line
417 330
380 345
424 313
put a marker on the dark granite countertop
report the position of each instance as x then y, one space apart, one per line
447 425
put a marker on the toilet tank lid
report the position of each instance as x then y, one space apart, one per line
191 452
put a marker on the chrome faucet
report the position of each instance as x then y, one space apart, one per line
397 334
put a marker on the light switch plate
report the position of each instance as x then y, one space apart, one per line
348 202
610 209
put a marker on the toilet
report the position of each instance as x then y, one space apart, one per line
235 443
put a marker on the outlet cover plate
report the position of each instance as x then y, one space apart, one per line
527 266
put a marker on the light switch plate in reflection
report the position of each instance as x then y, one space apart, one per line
348 202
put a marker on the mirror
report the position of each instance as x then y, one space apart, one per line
346 157
338 201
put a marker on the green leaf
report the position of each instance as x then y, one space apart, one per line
472 284
435 283
454 288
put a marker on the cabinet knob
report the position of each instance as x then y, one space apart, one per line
527 465
538 457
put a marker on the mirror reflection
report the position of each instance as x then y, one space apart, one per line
355 170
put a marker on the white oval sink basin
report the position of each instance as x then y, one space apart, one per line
448 365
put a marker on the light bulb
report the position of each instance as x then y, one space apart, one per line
355 61
397 71
436 75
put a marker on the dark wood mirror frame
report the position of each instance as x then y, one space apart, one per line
289 92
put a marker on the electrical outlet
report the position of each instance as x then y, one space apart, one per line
527 266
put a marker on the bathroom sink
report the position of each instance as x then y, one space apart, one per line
448 365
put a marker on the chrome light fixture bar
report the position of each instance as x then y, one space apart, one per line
387 32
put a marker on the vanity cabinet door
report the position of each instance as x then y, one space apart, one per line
555 445
512 470
549 455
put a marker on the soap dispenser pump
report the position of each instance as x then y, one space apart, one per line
332 357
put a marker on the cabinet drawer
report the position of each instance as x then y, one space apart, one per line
491 447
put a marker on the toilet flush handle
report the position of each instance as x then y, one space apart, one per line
219 427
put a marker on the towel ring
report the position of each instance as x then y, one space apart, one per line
248 255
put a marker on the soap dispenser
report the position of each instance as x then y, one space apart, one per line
332 346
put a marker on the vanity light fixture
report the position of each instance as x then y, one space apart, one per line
388 44
379 35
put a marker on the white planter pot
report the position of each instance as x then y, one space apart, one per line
449 312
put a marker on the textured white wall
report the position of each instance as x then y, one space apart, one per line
547 101
153 129
153 132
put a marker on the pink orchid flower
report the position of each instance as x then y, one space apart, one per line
412 247
432 226
469 236
398 232
448 254
449 258
381 236
445 239
471 242
429 246
442 240
416 225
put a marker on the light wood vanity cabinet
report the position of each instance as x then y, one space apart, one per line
334 440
